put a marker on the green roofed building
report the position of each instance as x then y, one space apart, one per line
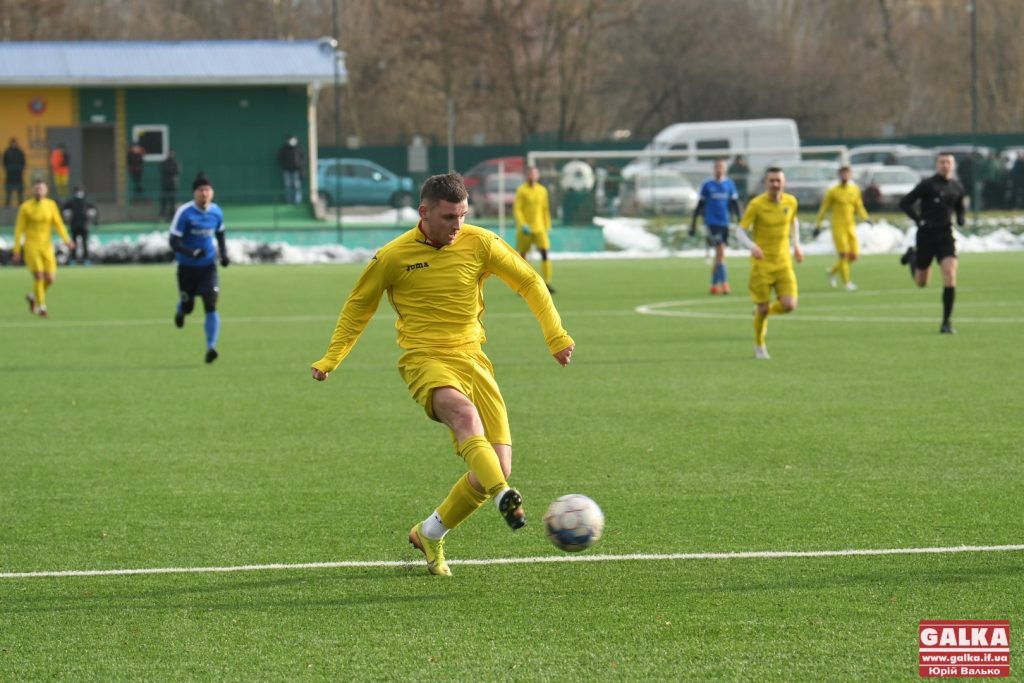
224 107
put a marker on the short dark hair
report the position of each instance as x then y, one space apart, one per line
773 169
449 187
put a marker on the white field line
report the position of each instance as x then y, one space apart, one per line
547 559
681 309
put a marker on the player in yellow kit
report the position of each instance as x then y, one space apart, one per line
533 221
33 242
846 205
433 276
771 219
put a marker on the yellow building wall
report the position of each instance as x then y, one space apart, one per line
26 113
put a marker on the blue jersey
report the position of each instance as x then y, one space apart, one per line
716 195
197 228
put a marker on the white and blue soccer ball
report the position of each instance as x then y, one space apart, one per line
574 522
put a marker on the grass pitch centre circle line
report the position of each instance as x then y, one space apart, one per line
686 308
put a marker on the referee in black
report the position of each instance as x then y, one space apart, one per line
931 206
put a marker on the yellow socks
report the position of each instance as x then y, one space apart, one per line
844 271
761 321
545 271
760 328
462 501
483 462
39 291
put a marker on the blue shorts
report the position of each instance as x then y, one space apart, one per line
718 234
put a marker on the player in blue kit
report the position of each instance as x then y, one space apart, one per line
195 226
718 198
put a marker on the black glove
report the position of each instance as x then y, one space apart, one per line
225 261
817 231
198 252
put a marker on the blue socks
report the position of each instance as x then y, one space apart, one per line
212 328
718 275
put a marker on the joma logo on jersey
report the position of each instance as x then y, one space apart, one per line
416 266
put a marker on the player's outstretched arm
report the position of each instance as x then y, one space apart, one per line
564 357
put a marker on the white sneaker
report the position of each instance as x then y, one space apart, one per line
761 353
833 279
850 287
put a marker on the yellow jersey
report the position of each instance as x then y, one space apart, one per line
845 203
35 223
770 224
438 293
531 207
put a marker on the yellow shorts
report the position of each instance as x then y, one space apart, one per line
40 260
845 240
765 277
536 238
469 371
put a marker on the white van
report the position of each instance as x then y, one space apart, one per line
705 141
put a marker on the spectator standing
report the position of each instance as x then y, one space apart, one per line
292 159
60 169
14 169
80 212
1017 181
872 196
170 182
994 182
739 171
136 157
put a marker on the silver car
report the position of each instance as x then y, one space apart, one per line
894 182
808 181
658 191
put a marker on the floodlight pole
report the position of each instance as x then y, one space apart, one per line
337 118
973 11
451 133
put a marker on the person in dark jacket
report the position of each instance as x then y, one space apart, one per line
931 205
292 159
135 160
170 180
14 169
80 212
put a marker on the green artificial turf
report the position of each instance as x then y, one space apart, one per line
866 430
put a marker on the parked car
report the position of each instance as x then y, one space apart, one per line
808 181
362 182
474 177
658 191
491 194
962 150
893 181
875 154
921 160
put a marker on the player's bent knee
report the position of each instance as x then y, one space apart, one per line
210 303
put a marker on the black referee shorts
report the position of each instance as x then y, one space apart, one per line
934 244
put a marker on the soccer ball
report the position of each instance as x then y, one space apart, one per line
574 522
